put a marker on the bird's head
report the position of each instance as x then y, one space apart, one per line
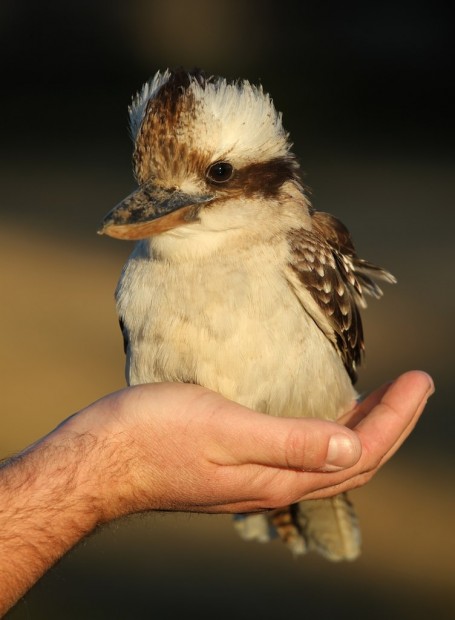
204 148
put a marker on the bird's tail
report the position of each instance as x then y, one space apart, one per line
328 526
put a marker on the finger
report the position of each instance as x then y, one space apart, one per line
382 433
394 417
363 408
308 444
354 417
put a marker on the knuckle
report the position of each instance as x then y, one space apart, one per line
304 450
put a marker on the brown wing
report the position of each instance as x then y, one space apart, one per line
325 262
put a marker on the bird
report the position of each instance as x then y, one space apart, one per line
235 281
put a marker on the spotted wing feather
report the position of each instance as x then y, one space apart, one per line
325 262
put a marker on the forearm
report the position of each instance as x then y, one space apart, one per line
48 503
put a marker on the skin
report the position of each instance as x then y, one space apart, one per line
184 448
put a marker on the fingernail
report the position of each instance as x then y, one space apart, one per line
431 387
342 452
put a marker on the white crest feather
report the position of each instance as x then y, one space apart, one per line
237 120
232 119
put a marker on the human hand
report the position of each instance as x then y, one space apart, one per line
182 447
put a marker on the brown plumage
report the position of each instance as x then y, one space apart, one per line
326 263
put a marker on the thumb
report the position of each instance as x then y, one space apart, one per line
293 443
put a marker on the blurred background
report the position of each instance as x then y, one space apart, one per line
366 94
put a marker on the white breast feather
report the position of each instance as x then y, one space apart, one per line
233 327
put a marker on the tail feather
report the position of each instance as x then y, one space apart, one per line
327 526
330 526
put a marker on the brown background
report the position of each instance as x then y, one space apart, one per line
365 93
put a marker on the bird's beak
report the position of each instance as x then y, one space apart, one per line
151 210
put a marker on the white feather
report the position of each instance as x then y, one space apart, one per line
239 120
232 119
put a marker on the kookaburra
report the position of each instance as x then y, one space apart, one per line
236 283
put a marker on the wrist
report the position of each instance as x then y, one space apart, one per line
102 457
46 509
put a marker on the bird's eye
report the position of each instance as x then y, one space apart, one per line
220 172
